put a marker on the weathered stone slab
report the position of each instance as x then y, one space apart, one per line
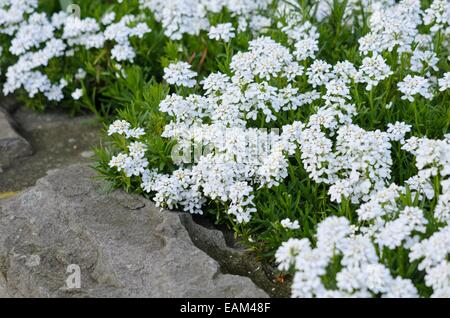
123 245
12 145
57 139
9 103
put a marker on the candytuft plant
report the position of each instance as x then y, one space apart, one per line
318 131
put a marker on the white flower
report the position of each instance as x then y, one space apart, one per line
179 17
266 59
123 52
372 71
119 161
119 127
180 74
377 278
442 210
224 31
345 71
437 15
432 251
423 60
444 82
273 169
135 166
306 48
259 23
81 74
77 94
288 224
413 85
398 131
149 178
137 150
319 73
241 201
215 82
108 18
135 132
395 232
393 25
331 230
438 278
288 251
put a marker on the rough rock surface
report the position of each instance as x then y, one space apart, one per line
57 139
232 258
124 246
9 103
12 145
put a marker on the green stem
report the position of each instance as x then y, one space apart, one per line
416 115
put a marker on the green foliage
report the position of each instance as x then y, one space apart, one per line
137 101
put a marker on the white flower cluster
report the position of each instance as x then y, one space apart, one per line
355 163
396 27
264 60
13 12
413 85
387 226
237 159
364 158
179 17
392 26
37 39
438 16
433 255
121 32
444 82
223 31
134 162
180 74
373 70
432 161
288 224
384 224
361 271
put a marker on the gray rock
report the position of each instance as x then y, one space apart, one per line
87 154
50 134
12 145
232 257
123 245
3 293
9 103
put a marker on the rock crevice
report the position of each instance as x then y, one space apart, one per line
232 258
